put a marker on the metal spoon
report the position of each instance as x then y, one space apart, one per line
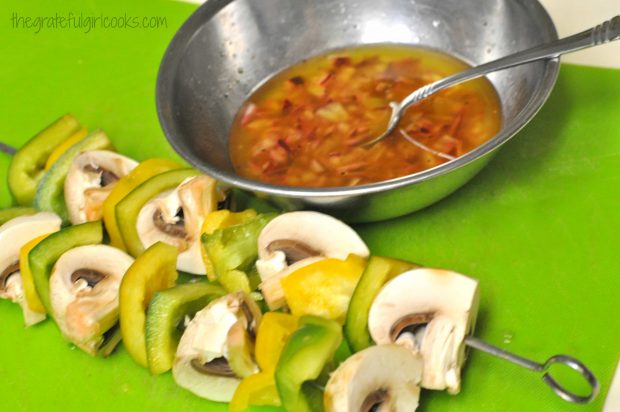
603 33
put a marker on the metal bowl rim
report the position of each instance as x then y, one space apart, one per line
175 52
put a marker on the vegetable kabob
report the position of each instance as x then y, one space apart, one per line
156 211
276 306
68 273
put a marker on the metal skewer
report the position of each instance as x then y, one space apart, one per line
5 148
543 368
476 343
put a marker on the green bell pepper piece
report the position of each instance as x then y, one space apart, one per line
233 251
127 210
50 192
13 212
309 349
378 271
342 353
313 394
165 316
235 281
152 271
44 255
28 164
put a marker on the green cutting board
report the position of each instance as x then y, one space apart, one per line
538 227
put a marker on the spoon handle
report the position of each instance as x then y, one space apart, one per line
603 33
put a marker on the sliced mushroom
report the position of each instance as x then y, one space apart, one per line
204 361
379 378
90 180
14 234
84 293
296 239
428 311
176 217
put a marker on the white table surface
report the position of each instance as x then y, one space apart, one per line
573 16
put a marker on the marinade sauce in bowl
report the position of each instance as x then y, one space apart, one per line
306 125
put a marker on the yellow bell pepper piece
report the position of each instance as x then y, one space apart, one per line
260 389
220 219
323 288
152 271
64 146
123 187
30 292
273 332
257 389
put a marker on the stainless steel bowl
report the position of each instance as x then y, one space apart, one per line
228 47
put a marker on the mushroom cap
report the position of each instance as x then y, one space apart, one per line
176 216
89 181
326 235
212 387
388 375
443 305
296 239
14 234
84 292
205 339
18 231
